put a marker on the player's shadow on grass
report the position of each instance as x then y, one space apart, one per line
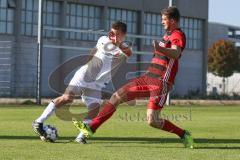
143 140
218 147
196 147
7 137
140 140
161 140
61 139
128 139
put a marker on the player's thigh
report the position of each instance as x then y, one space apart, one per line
155 106
76 84
121 95
157 102
144 87
134 89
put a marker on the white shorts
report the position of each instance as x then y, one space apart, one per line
90 92
90 97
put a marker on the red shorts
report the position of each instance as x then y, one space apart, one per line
157 103
146 87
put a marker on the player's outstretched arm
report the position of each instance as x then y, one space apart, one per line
92 53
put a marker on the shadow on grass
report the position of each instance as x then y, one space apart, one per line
129 139
6 137
196 147
218 147
163 140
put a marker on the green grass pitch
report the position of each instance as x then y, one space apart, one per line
216 131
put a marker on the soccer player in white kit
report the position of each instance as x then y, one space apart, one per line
90 79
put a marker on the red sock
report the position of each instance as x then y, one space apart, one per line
170 127
105 114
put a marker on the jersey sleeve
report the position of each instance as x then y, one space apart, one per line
178 39
100 42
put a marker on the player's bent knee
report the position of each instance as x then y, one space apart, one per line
150 121
115 98
67 99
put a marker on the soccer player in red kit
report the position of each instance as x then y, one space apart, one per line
155 83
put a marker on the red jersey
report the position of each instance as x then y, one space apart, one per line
163 66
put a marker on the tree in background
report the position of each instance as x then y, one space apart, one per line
238 65
223 59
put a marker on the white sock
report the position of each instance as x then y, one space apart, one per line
87 121
81 135
46 113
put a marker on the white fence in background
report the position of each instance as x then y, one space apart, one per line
215 84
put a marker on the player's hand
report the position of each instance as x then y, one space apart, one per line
126 48
127 52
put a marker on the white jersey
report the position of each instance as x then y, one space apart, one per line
99 70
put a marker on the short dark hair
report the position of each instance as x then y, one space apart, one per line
118 25
171 12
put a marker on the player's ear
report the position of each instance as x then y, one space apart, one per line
172 20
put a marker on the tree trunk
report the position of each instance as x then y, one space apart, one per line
223 85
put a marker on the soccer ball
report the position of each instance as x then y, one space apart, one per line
51 133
